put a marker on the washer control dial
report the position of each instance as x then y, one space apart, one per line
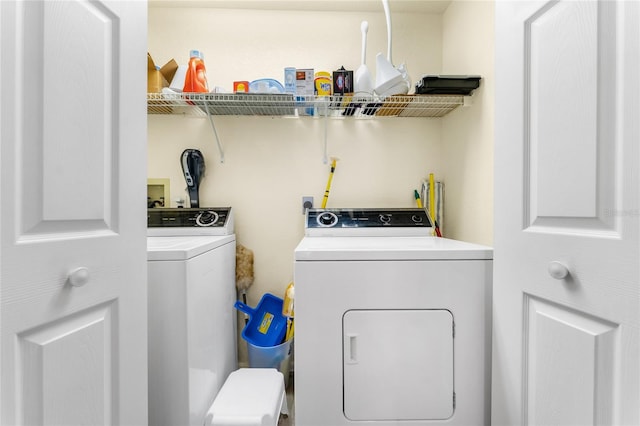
327 219
207 218
385 218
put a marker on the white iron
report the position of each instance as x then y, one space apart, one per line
389 80
363 83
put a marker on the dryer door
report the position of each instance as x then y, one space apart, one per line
398 364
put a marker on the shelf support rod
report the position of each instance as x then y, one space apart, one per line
215 132
325 158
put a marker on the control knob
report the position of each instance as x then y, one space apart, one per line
385 218
207 218
327 219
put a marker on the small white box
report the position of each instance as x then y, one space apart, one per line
290 80
305 82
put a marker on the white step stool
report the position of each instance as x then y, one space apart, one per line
249 397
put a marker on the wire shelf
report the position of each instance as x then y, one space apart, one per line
203 104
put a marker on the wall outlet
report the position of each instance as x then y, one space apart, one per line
307 203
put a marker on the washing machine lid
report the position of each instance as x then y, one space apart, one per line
389 248
183 248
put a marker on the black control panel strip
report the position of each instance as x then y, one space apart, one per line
368 218
187 217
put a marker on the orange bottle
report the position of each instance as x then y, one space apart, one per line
196 78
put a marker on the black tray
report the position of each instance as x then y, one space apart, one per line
447 85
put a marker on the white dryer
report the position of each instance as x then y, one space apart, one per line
393 325
192 322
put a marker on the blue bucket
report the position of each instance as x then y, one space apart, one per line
270 357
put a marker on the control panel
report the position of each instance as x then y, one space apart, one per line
399 221
190 221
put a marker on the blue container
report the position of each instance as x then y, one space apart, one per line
269 357
266 326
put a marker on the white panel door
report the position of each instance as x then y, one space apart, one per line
567 261
72 232
398 364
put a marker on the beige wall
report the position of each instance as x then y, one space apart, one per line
467 134
272 162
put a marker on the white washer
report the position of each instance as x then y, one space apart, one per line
393 326
192 321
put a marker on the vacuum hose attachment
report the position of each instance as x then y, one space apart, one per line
193 167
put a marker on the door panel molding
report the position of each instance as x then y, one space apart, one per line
68 354
68 119
567 352
570 136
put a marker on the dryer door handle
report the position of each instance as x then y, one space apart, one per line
351 349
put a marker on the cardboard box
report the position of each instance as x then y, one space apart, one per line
240 87
304 82
157 78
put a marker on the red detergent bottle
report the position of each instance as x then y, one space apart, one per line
195 79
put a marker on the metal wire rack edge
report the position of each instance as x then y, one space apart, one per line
292 105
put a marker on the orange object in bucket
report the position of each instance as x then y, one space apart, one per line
196 78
